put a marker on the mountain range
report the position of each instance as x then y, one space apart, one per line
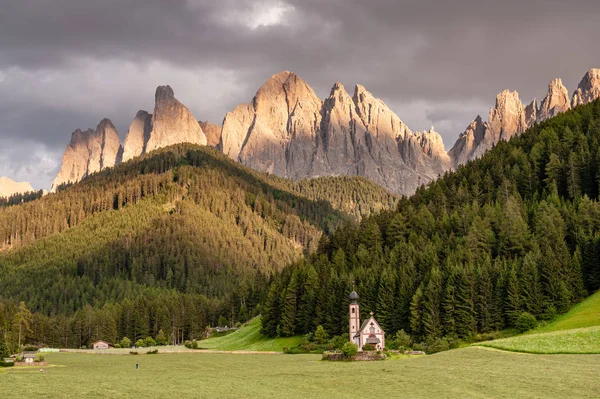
9 187
287 130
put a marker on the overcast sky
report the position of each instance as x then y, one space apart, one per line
66 64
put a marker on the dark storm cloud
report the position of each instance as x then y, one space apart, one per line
432 61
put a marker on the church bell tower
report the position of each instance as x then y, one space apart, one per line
354 316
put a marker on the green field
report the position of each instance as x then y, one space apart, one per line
580 340
584 314
249 338
462 373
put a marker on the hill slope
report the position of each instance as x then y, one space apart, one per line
170 241
517 230
249 338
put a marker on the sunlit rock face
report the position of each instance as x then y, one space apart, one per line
138 135
212 132
88 152
509 117
9 187
555 102
588 89
172 122
287 130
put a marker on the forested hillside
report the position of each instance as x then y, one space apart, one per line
170 241
515 231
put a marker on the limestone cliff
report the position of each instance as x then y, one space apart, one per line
9 187
588 89
287 130
138 135
172 122
88 152
212 133
555 102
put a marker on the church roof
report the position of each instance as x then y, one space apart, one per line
353 296
366 323
373 340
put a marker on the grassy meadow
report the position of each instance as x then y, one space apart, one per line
249 338
576 341
584 314
466 373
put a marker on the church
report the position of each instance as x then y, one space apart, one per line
369 332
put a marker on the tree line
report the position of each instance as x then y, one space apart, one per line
184 221
516 231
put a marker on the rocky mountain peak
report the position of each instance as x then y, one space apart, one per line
468 143
88 152
507 118
531 112
9 187
137 136
164 93
555 102
172 122
588 89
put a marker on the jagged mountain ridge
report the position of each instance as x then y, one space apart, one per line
289 131
510 116
9 187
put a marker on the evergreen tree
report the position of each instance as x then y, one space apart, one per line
386 302
432 320
416 314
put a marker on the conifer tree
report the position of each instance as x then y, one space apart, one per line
432 320
416 314
386 302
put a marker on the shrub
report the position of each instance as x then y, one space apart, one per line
295 350
525 322
222 322
191 344
6 364
349 350
140 343
320 336
161 338
40 358
419 346
126 342
117 346
338 341
153 352
402 340
549 314
30 348
437 345
133 353
148 342
368 347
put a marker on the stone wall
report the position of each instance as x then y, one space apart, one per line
360 356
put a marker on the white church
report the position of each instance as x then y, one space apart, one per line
369 332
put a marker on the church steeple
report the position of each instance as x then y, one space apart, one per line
354 316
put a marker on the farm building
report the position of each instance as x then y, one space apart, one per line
369 332
101 345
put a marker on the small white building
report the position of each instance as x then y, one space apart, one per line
101 345
369 332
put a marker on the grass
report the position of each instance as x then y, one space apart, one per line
249 338
473 372
584 314
577 341
575 332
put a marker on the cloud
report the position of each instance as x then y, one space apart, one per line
66 64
